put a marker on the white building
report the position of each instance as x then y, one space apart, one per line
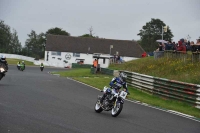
62 51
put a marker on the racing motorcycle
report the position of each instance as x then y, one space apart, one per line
41 68
113 101
3 70
22 67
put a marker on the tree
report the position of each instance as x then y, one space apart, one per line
9 42
87 35
5 37
34 45
57 31
151 32
15 46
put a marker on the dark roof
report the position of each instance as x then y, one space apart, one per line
62 43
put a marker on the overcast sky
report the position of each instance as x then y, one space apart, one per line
113 19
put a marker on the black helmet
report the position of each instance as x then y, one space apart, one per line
123 76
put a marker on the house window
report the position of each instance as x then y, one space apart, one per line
56 53
76 54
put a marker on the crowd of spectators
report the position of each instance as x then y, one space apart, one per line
182 46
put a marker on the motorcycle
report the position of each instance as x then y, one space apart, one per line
22 67
113 101
18 66
3 70
41 68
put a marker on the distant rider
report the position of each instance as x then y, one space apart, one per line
117 83
23 64
41 65
18 65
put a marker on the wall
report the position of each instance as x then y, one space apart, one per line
53 60
25 58
15 56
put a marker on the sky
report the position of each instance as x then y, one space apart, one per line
110 19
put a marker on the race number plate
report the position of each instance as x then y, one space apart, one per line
123 94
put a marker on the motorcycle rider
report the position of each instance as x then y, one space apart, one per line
41 66
18 65
23 64
3 60
116 83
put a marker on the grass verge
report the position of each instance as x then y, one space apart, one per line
173 69
103 80
14 62
79 72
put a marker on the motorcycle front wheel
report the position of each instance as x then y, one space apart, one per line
117 109
98 107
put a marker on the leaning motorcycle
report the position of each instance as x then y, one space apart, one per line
113 101
3 70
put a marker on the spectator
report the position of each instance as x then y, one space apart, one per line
181 47
168 45
160 47
174 46
114 58
95 63
182 41
163 46
118 58
185 43
188 48
198 44
195 47
144 54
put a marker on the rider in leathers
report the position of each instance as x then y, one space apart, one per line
3 60
116 84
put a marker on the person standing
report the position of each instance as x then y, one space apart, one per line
95 62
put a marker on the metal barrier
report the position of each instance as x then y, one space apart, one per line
172 89
158 54
103 71
75 65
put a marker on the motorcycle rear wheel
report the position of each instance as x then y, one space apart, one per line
117 110
98 107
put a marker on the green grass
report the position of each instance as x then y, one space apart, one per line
79 74
172 69
14 62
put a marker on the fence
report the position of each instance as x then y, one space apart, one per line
189 56
103 70
177 90
75 65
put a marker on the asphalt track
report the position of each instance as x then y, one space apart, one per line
38 102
